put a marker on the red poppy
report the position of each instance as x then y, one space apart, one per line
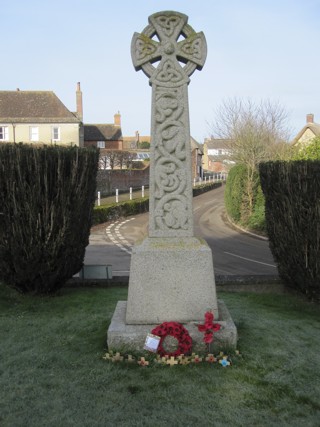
208 319
208 337
202 328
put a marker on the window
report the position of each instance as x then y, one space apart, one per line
34 133
4 133
101 144
55 133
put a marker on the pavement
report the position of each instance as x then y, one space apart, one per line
109 248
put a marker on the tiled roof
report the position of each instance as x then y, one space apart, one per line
33 107
142 138
213 158
196 145
102 132
218 143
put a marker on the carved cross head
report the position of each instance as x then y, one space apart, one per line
171 42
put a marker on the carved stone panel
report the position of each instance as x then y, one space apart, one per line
169 41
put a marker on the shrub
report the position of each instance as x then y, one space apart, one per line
203 188
46 200
234 191
308 151
257 220
237 202
113 211
292 193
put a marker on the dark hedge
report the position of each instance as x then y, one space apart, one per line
234 192
292 194
237 202
46 201
113 211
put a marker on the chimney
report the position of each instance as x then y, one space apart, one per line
310 118
137 136
79 102
117 119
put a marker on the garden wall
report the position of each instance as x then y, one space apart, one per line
110 180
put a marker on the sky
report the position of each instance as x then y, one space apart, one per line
257 49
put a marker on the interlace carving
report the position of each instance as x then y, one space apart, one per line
170 160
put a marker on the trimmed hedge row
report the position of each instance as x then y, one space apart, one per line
113 211
203 188
292 194
46 202
236 200
233 195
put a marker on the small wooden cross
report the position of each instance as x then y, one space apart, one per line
196 359
130 359
143 362
172 361
108 356
224 361
210 358
117 358
184 360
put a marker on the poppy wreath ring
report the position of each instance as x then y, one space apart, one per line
177 331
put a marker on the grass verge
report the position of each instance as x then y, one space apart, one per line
52 372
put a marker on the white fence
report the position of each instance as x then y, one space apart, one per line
212 178
122 197
141 193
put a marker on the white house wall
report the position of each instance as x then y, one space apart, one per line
69 133
218 152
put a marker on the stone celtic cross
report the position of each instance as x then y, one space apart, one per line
168 50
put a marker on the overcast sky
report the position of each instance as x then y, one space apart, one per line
258 49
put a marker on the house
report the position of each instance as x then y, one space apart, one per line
39 117
196 159
308 132
136 142
217 167
104 136
217 149
108 138
217 155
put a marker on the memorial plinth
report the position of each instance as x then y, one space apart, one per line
171 272
170 279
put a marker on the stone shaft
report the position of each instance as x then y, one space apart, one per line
170 161
170 164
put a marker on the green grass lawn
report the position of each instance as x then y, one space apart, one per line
52 372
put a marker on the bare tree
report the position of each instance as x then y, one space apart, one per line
111 157
253 132
103 162
131 156
125 158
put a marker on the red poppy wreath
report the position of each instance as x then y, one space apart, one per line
177 331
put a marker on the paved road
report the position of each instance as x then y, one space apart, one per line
234 252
